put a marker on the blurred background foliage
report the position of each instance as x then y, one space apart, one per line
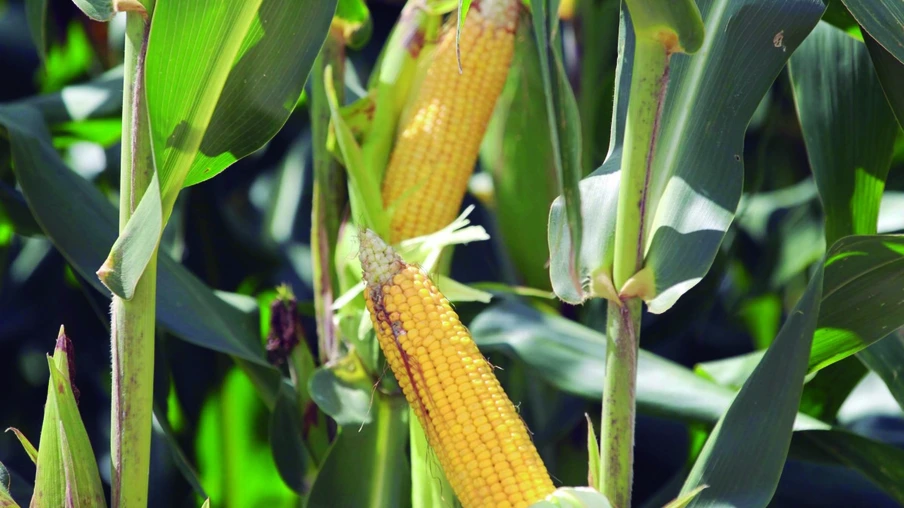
248 231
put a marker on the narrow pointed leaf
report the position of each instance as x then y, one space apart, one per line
593 455
36 16
685 499
29 448
67 472
743 458
565 132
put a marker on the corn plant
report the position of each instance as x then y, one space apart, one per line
573 253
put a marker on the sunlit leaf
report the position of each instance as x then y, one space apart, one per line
848 128
574 497
697 171
221 97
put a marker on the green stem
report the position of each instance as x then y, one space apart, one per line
301 367
648 85
617 425
648 79
132 322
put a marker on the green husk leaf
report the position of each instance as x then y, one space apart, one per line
26 444
67 470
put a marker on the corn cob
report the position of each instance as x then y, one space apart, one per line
477 435
441 130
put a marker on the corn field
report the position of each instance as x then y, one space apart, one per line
467 253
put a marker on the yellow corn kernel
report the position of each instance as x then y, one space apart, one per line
477 435
440 135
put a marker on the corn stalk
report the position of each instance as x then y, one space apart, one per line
132 322
661 28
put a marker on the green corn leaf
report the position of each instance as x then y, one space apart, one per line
287 444
848 128
685 499
67 472
29 448
697 169
364 189
890 72
565 140
849 131
571 357
6 499
743 458
377 452
82 223
882 464
36 16
224 95
861 302
517 153
135 245
883 20
98 98
343 391
593 455
98 10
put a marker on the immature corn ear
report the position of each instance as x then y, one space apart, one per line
67 472
478 436
441 130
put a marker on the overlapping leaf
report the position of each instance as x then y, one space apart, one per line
743 458
572 358
697 171
223 77
82 223
883 20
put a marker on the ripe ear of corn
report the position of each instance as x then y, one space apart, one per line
441 130
477 435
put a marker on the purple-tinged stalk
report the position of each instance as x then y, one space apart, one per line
661 29
133 321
